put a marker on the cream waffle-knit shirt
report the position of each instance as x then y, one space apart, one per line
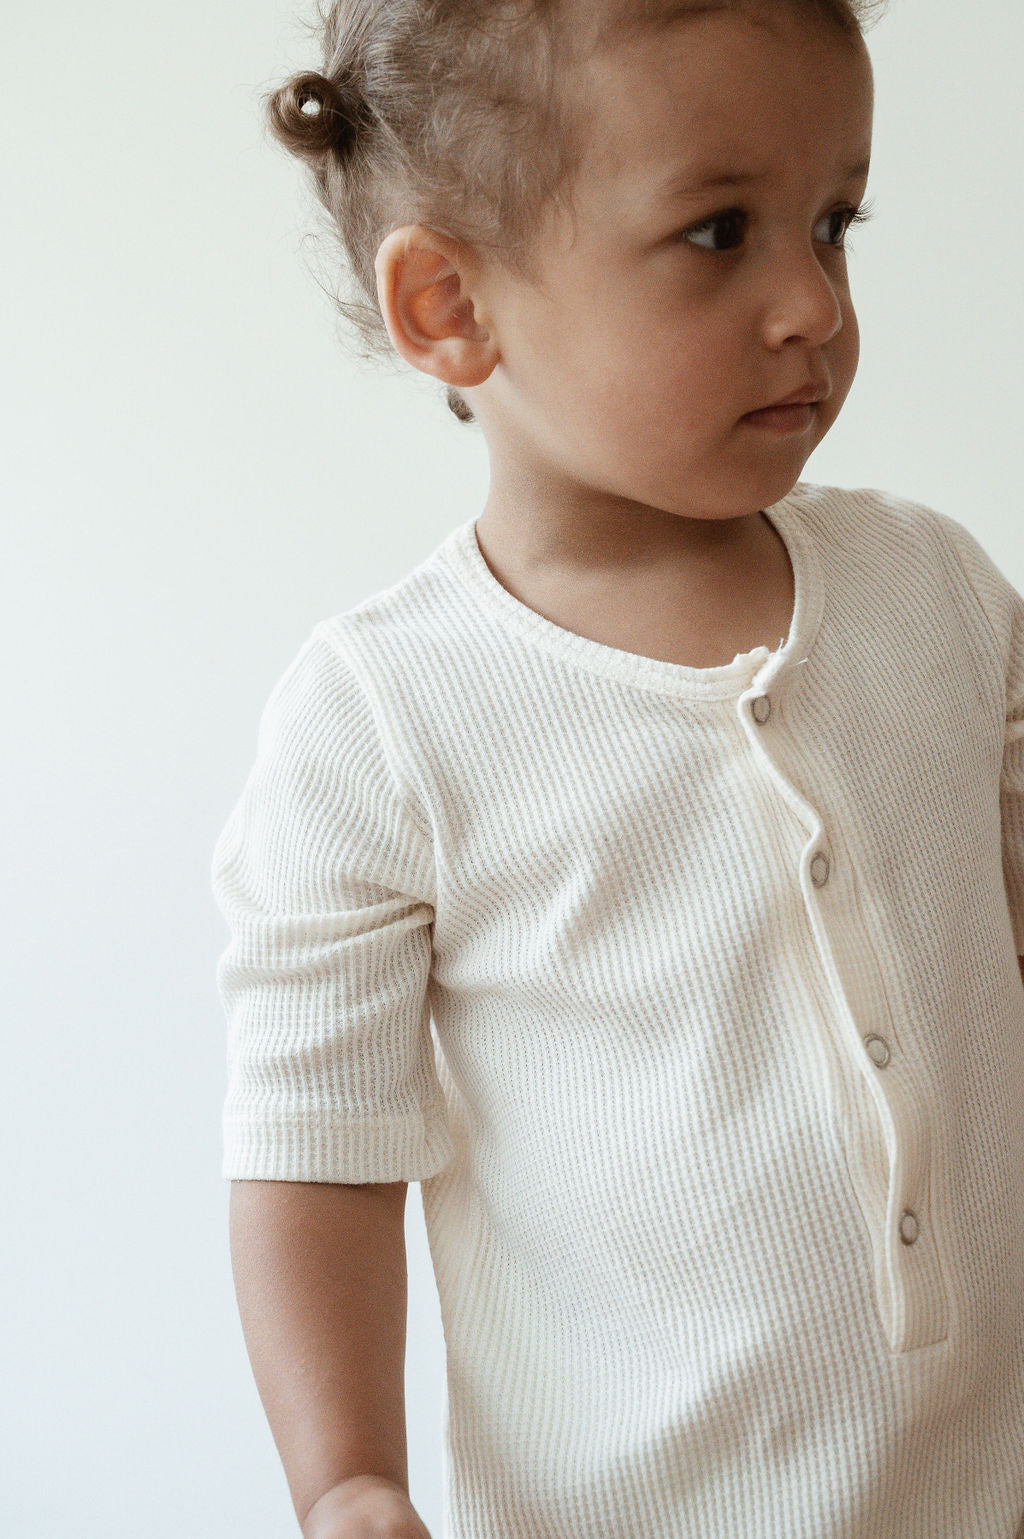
691 998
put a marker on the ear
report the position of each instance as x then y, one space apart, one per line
422 282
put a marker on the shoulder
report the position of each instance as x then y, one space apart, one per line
896 527
361 699
407 627
899 535
870 513
881 514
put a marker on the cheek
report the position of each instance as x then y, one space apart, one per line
848 340
842 356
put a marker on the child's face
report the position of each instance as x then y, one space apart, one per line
627 372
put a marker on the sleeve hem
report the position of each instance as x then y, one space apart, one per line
336 1149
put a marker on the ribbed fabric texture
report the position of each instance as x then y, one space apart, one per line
691 997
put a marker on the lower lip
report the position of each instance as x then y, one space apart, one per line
782 419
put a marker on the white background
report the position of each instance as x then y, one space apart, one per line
195 473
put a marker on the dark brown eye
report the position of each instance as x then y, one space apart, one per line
724 225
725 231
847 217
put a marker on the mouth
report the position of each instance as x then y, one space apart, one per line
795 418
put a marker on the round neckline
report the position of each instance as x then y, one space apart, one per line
723 681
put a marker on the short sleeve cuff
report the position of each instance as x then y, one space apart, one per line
343 1149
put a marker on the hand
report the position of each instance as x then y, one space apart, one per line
364 1507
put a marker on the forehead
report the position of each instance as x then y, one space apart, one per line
725 90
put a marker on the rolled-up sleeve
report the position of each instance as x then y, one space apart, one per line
326 880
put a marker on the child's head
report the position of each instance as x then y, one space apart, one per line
499 175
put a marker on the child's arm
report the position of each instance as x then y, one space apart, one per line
320 1275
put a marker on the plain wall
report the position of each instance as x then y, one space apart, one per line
194 473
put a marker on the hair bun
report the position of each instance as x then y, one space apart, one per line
312 115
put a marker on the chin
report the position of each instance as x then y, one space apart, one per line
774 482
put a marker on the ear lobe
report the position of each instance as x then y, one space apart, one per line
430 318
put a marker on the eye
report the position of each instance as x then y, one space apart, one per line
847 217
728 221
726 229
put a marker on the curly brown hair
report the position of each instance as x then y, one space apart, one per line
448 113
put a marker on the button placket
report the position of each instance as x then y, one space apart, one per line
913 1282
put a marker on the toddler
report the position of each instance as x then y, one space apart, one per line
643 873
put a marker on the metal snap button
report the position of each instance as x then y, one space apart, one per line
909 1229
820 867
878 1051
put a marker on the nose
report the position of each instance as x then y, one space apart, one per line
803 298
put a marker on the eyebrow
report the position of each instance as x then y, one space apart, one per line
677 185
